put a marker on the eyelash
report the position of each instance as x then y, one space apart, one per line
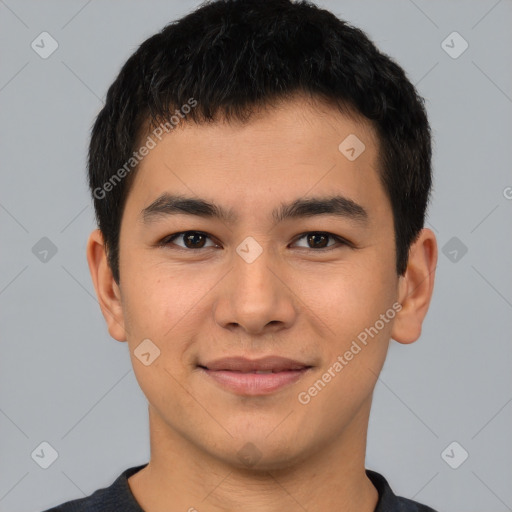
165 242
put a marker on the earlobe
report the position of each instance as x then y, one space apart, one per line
107 290
415 288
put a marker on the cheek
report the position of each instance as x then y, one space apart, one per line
354 347
163 305
155 300
350 306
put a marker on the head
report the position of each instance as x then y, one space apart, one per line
258 130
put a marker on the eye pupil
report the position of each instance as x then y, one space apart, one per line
190 237
313 238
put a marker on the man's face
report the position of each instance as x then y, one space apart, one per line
255 285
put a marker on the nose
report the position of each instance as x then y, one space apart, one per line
256 297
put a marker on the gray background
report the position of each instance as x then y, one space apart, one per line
63 380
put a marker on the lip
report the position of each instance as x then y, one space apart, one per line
237 374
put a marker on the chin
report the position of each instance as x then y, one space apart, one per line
258 454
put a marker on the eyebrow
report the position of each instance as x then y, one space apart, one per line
338 205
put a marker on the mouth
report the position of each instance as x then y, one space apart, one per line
254 377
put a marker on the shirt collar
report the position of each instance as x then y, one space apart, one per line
387 499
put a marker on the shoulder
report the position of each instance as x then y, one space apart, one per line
115 498
388 501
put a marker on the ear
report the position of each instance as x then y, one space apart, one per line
415 288
107 290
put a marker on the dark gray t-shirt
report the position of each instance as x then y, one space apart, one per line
119 498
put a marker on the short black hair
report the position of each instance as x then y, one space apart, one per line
229 57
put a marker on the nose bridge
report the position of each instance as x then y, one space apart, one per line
254 283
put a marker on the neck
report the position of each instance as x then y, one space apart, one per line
180 477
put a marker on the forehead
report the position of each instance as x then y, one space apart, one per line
291 149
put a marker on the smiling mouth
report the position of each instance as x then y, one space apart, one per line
252 378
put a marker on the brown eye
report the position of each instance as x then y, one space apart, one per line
194 240
319 240
190 240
